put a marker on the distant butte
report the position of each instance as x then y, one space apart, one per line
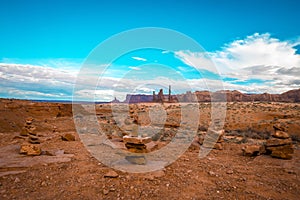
291 96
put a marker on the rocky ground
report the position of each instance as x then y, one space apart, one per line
66 170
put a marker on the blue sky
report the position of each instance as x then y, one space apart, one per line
254 45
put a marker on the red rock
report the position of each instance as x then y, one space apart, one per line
136 148
68 137
284 152
280 134
29 120
218 146
24 132
151 146
253 150
277 142
30 149
111 174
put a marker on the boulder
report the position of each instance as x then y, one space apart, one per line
253 150
284 152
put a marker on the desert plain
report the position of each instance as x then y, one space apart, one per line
62 168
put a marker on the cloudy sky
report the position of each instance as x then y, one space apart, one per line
251 46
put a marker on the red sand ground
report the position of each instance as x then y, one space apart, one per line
223 174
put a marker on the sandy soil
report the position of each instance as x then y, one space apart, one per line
72 173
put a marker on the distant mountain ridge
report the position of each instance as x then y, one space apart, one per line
291 96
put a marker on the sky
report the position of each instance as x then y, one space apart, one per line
250 46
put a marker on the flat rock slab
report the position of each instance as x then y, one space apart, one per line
278 142
11 161
138 160
111 174
280 135
5 173
136 140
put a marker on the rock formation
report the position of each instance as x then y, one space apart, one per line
280 145
136 145
291 96
30 147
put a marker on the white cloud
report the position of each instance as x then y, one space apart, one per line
258 56
23 81
198 60
134 68
139 58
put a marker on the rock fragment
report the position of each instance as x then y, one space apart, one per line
111 174
68 137
30 149
253 150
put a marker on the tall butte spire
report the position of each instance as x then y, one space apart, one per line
169 93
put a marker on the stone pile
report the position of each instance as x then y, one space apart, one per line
136 145
280 144
30 147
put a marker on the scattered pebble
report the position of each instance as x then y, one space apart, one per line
111 174
211 173
43 183
105 191
17 180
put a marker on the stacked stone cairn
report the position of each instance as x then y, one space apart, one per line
280 144
136 145
30 147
